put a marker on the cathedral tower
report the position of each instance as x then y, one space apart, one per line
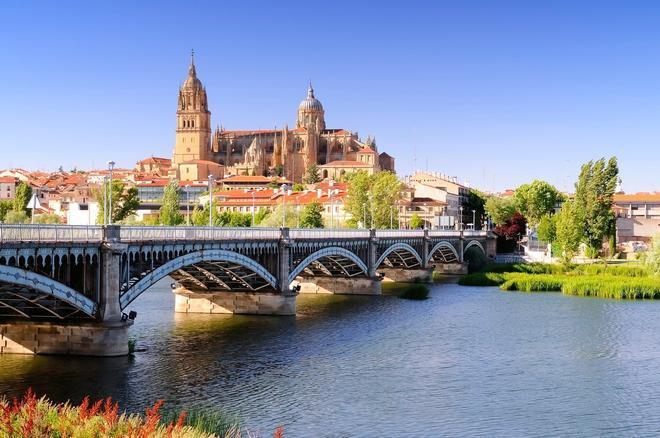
193 120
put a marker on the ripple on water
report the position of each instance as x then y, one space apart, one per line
467 361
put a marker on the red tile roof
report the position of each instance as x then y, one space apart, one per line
637 197
346 163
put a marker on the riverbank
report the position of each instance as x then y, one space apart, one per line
36 417
597 280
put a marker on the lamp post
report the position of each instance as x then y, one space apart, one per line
364 213
460 219
211 180
111 166
391 217
284 188
474 219
332 210
188 204
253 194
105 200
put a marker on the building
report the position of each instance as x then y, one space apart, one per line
8 187
154 166
286 152
245 182
445 189
637 216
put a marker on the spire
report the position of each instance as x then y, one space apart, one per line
310 90
191 69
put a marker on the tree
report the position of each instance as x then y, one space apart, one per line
5 206
372 198
653 255
416 221
547 228
297 187
536 200
200 216
124 201
500 209
569 230
476 201
22 196
274 219
312 216
312 176
594 193
16 217
47 219
513 229
170 213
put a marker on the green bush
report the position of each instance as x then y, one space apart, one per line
414 291
532 283
482 279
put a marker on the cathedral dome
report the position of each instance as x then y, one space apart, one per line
192 81
311 102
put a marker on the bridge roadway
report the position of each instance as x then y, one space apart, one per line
65 289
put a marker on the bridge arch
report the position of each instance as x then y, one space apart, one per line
13 276
444 244
214 255
474 243
327 252
399 247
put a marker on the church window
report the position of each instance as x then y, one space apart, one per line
187 149
192 122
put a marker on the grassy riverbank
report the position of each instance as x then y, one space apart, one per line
39 417
604 281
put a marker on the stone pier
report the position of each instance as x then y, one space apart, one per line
452 268
241 303
339 285
407 275
84 339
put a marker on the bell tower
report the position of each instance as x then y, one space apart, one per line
193 120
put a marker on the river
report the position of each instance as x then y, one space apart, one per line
467 361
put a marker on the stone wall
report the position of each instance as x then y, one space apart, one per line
339 285
452 268
90 339
244 303
407 275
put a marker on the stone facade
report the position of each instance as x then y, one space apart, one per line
288 152
339 285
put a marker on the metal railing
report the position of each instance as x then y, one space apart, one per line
328 233
444 233
475 233
50 233
400 233
133 234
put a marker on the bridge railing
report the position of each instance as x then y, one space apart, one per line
444 233
400 233
475 233
50 233
328 233
132 234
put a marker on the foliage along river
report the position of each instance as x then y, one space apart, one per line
467 361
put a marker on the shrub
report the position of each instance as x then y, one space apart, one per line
415 291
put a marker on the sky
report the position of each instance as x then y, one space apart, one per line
497 93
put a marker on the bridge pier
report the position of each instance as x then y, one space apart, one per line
82 339
407 275
240 303
452 268
339 285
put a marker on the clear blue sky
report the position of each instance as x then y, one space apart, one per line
497 92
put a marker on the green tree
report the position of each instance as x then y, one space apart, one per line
373 198
312 216
124 201
536 200
594 193
476 201
170 213
569 230
416 221
312 176
200 216
653 255
547 228
274 219
22 196
47 219
16 217
500 210
5 206
298 187
260 216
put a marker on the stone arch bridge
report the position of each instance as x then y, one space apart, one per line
65 289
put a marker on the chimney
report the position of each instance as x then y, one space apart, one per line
319 193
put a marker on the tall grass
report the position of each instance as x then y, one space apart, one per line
532 283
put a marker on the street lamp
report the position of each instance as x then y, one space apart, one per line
460 218
284 188
211 180
111 166
474 219
253 194
391 217
332 209
188 204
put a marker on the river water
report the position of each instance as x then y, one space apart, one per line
467 361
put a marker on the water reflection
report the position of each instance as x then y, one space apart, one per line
468 361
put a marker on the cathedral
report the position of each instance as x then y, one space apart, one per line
278 152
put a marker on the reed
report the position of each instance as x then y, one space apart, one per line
414 291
